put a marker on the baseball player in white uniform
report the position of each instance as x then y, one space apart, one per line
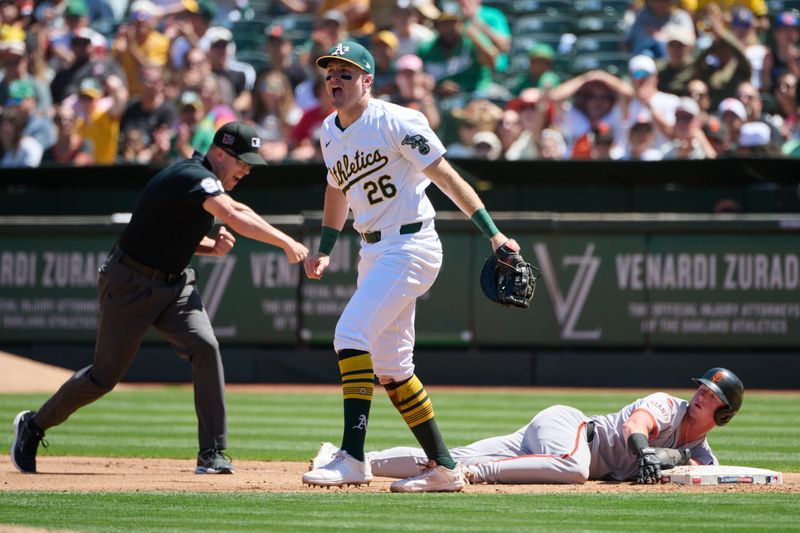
381 157
562 445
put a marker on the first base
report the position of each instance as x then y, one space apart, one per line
720 475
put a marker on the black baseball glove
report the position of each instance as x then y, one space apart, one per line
653 460
507 279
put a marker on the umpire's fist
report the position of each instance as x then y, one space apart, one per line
224 241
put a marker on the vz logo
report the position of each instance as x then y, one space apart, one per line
568 309
419 142
362 423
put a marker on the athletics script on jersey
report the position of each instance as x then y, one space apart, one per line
360 166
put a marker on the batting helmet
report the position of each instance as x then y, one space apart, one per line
728 388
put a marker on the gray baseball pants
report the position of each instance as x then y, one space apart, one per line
130 303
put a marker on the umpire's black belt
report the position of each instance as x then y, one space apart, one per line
375 236
146 271
589 430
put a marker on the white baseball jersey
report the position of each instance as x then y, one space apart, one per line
553 448
377 162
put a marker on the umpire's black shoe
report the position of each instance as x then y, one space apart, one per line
26 442
213 461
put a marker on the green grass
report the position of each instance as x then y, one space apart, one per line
160 422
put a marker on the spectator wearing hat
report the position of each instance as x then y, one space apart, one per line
356 16
784 56
150 110
743 27
717 134
486 145
601 142
647 33
414 89
754 105
640 140
659 105
384 52
531 113
540 70
221 53
733 114
407 23
675 70
491 27
754 141
584 101
458 59
100 119
36 124
188 28
723 64
16 66
139 44
19 150
70 148
688 140
75 22
190 131
88 62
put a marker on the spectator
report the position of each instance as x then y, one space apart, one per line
384 49
457 58
491 27
675 71
280 55
486 145
88 62
134 147
641 135
36 124
723 65
688 140
717 134
784 56
196 69
743 27
407 24
76 22
786 104
16 64
697 90
750 97
356 16
660 106
540 70
188 29
138 44
304 139
647 36
552 146
758 8
218 112
19 150
150 110
601 142
70 148
509 129
191 133
275 114
466 128
528 109
733 114
415 89
328 30
754 141
99 122
241 76
596 96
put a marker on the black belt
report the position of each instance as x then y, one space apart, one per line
589 430
375 236
147 271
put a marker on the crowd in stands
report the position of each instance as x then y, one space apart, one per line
100 82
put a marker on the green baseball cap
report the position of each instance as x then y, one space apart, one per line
350 52
542 50
18 90
242 140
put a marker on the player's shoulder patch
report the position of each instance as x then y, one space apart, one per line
211 185
418 142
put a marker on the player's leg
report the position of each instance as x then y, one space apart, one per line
186 326
554 450
127 308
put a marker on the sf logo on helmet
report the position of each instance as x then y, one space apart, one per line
718 376
341 49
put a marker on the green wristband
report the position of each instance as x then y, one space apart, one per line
328 240
485 223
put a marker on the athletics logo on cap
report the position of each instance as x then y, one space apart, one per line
351 52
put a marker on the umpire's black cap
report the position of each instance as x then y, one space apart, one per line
240 140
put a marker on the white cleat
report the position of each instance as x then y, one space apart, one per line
324 455
342 470
433 478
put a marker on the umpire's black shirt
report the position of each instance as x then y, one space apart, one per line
169 221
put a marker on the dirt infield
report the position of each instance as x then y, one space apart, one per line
103 474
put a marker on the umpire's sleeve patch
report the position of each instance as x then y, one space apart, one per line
211 185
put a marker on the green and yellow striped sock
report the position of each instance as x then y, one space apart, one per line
411 399
358 382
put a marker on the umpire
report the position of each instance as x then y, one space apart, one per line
146 282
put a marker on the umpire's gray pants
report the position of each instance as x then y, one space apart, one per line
129 304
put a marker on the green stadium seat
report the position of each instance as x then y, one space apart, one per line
613 62
610 7
542 24
541 7
598 24
598 42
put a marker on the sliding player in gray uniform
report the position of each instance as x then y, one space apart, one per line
562 445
